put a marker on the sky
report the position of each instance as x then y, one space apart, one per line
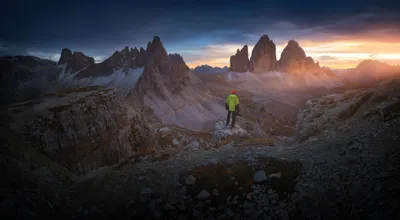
336 33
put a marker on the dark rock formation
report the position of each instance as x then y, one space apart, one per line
162 71
125 59
263 56
74 61
240 61
141 59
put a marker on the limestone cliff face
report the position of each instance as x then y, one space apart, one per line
163 73
263 56
240 61
294 61
82 129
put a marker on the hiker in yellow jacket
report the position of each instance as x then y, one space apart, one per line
232 105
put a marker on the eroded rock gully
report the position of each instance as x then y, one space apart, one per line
82 129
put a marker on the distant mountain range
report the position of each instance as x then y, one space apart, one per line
206 69
154 73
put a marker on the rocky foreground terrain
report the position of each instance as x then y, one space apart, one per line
341 163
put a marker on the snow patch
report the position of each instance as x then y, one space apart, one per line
122 80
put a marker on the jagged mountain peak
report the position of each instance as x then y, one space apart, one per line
295 61
127 58
156 51
74 61
207 69
263 56
293 42
292 50
264 38
240 61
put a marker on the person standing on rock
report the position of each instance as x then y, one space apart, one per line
232 105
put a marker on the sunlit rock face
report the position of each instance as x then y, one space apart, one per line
263 56
322 113
372 69
369 73
294 61
240 61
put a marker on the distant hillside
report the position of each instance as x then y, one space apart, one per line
206 69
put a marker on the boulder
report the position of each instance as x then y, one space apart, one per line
203 195
223 131
260 176
190 180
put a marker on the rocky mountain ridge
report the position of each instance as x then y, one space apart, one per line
74 61
206 69
263 59
125 59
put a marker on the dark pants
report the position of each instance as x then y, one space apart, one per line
229 117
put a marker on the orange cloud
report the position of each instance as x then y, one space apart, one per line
216 55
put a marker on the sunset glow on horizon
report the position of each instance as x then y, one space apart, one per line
337 34
336 54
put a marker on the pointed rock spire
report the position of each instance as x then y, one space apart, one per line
240 61
263 56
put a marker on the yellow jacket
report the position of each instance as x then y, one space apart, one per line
232 100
